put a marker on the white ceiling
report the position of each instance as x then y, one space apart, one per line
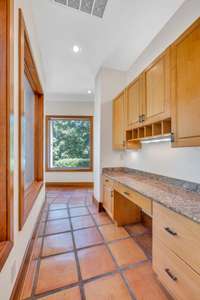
115 41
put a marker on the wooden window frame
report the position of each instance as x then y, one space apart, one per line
7 129
48 118
27 66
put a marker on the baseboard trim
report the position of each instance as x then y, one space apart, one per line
18 286
70 184
98 204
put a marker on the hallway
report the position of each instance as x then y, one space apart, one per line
76 249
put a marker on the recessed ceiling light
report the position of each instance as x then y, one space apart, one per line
89 92
76 49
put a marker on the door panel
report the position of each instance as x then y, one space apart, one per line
186 88
158 89
118 122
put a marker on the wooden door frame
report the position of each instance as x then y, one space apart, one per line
28 67
7 128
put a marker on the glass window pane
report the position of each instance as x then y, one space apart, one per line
70 143
28 134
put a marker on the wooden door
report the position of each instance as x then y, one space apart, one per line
108 200
185 68
133 103
157 89
119 122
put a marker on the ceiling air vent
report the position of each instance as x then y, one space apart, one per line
64 2
74 3
91 7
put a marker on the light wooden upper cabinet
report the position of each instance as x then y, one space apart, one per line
157 89
185 67
119 122
135 102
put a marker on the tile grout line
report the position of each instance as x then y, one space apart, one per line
117 267
76 258
39 259
81 281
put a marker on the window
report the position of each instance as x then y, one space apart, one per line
30 127
69 143
6 130
28 140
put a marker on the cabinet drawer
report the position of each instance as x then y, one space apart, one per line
182 282
179 234
139 200
107 182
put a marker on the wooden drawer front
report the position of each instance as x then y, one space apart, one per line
179 234
107 181
139 200
182 282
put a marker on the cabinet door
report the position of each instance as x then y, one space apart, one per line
108 200
118 122
158 89
133 104
185 53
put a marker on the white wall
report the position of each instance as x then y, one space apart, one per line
180 21
11 268
161 158
74 108
183 163
107 85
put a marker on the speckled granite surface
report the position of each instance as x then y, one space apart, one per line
180 196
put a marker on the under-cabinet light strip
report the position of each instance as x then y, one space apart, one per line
156 140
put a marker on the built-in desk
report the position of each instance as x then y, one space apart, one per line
176 227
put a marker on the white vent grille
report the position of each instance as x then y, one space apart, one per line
74 3
91 7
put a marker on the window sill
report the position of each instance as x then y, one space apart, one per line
69 170
5 248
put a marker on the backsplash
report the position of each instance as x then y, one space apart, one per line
162 159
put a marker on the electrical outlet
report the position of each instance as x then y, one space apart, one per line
13 272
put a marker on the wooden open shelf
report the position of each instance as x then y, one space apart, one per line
154 130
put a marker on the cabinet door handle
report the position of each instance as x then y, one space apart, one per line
170 231
140 119
172 137
111 194
143 118
174 278
126 193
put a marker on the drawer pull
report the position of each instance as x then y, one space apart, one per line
126 193
106 180
174 278
170 231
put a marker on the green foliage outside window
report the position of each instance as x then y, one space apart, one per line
70 144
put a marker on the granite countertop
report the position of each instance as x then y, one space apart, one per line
180 196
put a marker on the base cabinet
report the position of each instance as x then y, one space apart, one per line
173 259
108 200
108 196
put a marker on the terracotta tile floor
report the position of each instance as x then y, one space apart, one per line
79 254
